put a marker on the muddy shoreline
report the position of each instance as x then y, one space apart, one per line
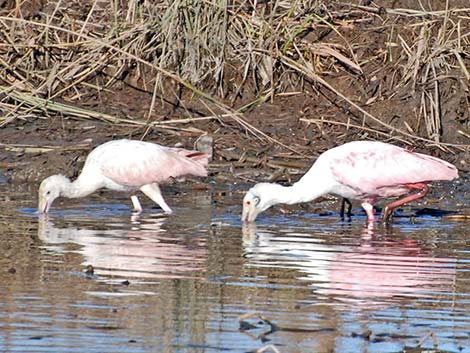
34 150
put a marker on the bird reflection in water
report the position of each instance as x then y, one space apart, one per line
144 250
373 272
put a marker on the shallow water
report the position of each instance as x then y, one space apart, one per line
180 283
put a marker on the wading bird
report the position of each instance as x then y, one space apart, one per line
125 165
358 170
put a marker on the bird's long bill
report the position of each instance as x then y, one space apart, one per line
249 213
43 205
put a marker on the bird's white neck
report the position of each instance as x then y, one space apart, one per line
77 188
298 192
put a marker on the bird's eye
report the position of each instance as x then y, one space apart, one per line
256 200
48 193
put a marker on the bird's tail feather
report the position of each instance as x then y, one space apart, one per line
442 170
197 156
196 161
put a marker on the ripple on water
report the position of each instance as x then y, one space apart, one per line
374 277
179 283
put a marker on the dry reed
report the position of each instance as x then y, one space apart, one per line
55 59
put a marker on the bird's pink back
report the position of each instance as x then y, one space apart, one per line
137 163
368 166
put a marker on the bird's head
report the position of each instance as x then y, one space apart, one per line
258 199
50 189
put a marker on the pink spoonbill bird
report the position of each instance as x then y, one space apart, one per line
360 170
125 165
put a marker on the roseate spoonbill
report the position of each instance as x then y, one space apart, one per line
358 170
125 165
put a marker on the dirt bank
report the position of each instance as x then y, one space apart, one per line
309 78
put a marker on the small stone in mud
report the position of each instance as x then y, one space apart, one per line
205 144
366 335
89 270
12 270
126 282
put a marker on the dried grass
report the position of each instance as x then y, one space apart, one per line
53 60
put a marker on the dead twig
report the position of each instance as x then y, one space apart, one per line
27 148
429 334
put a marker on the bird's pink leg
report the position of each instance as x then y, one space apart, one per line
153 192
369 211
136 203
388 208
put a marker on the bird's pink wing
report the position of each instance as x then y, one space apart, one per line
368 171
143 163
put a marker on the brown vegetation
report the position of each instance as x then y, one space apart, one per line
284 79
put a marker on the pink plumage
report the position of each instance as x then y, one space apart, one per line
361 170
126 165
136 163
381 170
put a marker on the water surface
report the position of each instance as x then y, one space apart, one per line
180 283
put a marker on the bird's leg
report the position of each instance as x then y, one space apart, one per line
136 203
369 211
344 202
388 208
153 192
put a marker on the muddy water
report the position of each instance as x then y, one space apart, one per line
179 283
